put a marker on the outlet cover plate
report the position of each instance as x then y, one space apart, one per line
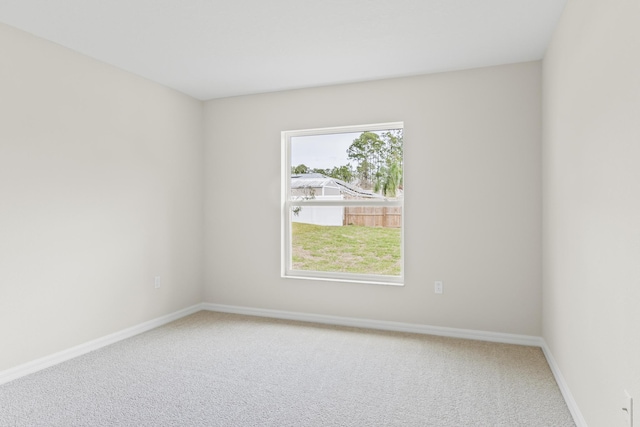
438 287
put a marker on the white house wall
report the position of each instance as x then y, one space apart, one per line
321 215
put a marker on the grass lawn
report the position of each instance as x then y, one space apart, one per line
349 249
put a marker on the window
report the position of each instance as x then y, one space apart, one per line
342 203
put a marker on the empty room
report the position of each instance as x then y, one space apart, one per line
296 213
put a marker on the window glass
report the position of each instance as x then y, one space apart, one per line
343 196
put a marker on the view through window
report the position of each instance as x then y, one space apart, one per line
343 196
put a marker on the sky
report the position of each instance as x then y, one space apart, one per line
321 151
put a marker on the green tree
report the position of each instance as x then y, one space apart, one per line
300 169
393 180
393 170
344 173
366 152
324 172
378 159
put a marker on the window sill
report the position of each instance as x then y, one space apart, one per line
399 281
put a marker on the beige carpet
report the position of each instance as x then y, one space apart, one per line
212 369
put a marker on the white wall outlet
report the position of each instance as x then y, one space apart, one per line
438 287
156 282
627 408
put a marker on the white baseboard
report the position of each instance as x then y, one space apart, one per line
380 324
62 356
564 387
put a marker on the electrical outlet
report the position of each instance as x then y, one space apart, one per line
627 408
156 282
438 287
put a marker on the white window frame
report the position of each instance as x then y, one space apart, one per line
287 203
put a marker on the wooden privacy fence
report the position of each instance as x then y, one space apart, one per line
373 216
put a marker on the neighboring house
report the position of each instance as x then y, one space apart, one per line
320 187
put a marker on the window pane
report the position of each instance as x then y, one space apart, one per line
343 203
363 165
319 244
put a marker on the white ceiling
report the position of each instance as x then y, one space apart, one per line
218 48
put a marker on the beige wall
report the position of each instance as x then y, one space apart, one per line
100 189
591 158
473 198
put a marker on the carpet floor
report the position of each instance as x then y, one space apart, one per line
214 369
